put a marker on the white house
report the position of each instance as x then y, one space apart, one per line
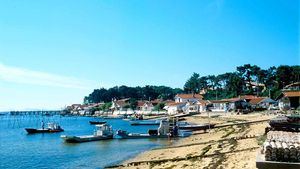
147 106
174 108
188 98
261 102
120 104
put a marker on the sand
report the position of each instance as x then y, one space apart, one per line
217 148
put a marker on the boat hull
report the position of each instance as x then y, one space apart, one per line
81 139
139 123
97 122
196 127
125 135
33 131
142 137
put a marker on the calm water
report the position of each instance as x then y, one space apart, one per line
20 150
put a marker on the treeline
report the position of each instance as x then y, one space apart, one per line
136 93
247 79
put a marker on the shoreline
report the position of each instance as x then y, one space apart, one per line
229 147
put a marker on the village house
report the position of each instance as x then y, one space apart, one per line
232 104
187 97
186 103
174 107
195 106
145 105
76 109
120 105
261 103
289 97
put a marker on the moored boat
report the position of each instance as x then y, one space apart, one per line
194 127
102 132
97 122
145 122
163 131
52 128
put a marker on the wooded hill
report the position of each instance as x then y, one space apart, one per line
247 79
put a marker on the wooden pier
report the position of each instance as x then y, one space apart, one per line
37 112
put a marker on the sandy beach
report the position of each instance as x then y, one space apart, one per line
228 147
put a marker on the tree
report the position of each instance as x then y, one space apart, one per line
192 85
249 74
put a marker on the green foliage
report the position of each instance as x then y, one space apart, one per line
193 84
138 93
159 106
227 85
133 103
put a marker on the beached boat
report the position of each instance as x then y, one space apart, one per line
102 132
162 132
97 122
52 128
125 135
144 122
194 127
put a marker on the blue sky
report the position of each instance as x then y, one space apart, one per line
53 53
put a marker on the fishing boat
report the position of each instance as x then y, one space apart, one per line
102 132
194 127
51 128
97 122
113 117
144 122
162 132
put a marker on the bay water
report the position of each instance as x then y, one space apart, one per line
21 150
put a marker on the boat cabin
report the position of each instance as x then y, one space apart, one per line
103 129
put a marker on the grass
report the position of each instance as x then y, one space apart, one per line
228 132
261 139
205 149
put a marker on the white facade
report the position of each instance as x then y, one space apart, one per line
175 108
179 99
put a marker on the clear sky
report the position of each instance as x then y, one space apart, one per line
53 52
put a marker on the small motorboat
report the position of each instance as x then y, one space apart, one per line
52 128
145 122
194 127
102 132
97 122
125 135
162 132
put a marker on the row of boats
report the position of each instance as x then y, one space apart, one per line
103 131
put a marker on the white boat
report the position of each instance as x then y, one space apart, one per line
102 132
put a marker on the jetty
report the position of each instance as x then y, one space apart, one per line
37 112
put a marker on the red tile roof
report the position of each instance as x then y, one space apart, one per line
256 100
190 96
291 93
175 104
140 103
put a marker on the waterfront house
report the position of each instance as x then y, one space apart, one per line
147 106
231 104
289 97
261 103
219 105
140 104
120 105
195 106
174 108
188 97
